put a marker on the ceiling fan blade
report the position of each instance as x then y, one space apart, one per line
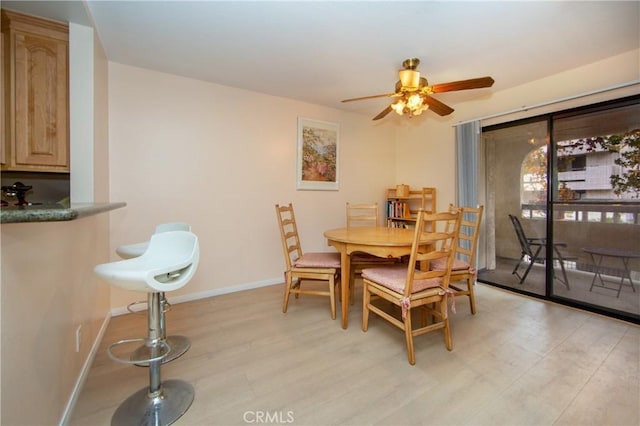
474 83
383 114
436 106
385 95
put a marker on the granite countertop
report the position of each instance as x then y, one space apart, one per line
54 212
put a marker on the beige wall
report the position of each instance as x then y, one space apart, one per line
221 158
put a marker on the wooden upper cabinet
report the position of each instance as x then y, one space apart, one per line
36 93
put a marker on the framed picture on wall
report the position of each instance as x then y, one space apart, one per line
317 158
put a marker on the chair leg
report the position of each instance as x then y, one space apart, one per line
287 290
352 287
515 270
526 272
445 319
409 338
332 296
366 299
472 296
565 280
532 260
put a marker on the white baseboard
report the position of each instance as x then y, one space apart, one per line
66 415
209 293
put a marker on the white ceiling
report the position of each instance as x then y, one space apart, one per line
322 52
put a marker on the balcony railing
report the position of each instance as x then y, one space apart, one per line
604 212
581 224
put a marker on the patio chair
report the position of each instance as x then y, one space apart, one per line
533 250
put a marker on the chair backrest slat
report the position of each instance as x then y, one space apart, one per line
469 232
363 215
289 234
435 237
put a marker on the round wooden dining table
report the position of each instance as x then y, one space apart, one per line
379 241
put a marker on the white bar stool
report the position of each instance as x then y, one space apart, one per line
179 344
168 264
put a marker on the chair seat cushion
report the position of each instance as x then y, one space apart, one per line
318 260
395 278
440 264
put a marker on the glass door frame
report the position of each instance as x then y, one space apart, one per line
551 191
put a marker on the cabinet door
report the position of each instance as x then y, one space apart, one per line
41 87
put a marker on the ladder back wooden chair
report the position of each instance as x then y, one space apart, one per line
323 266
408 288
363 215
464 264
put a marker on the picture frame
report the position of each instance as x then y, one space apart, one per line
317 159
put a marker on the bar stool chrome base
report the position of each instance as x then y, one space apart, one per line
178 344
160 408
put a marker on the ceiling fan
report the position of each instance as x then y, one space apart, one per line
414 92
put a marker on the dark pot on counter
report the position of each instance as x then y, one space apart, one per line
18 190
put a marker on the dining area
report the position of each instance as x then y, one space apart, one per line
407 268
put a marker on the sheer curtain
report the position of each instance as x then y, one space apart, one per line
468 163
467 143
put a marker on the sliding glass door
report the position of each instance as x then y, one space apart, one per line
516 180
561 195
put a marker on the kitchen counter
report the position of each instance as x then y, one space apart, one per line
54 212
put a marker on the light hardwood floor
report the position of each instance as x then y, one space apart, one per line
518 361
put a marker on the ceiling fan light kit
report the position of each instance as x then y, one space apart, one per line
412 105
414 92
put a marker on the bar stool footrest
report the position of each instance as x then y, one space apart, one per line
178 344
133 311
162 349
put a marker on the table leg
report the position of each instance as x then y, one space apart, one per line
598 274
597 271
564 272
345 274
625 262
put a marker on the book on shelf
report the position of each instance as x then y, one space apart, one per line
400 224
403 204
397 209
